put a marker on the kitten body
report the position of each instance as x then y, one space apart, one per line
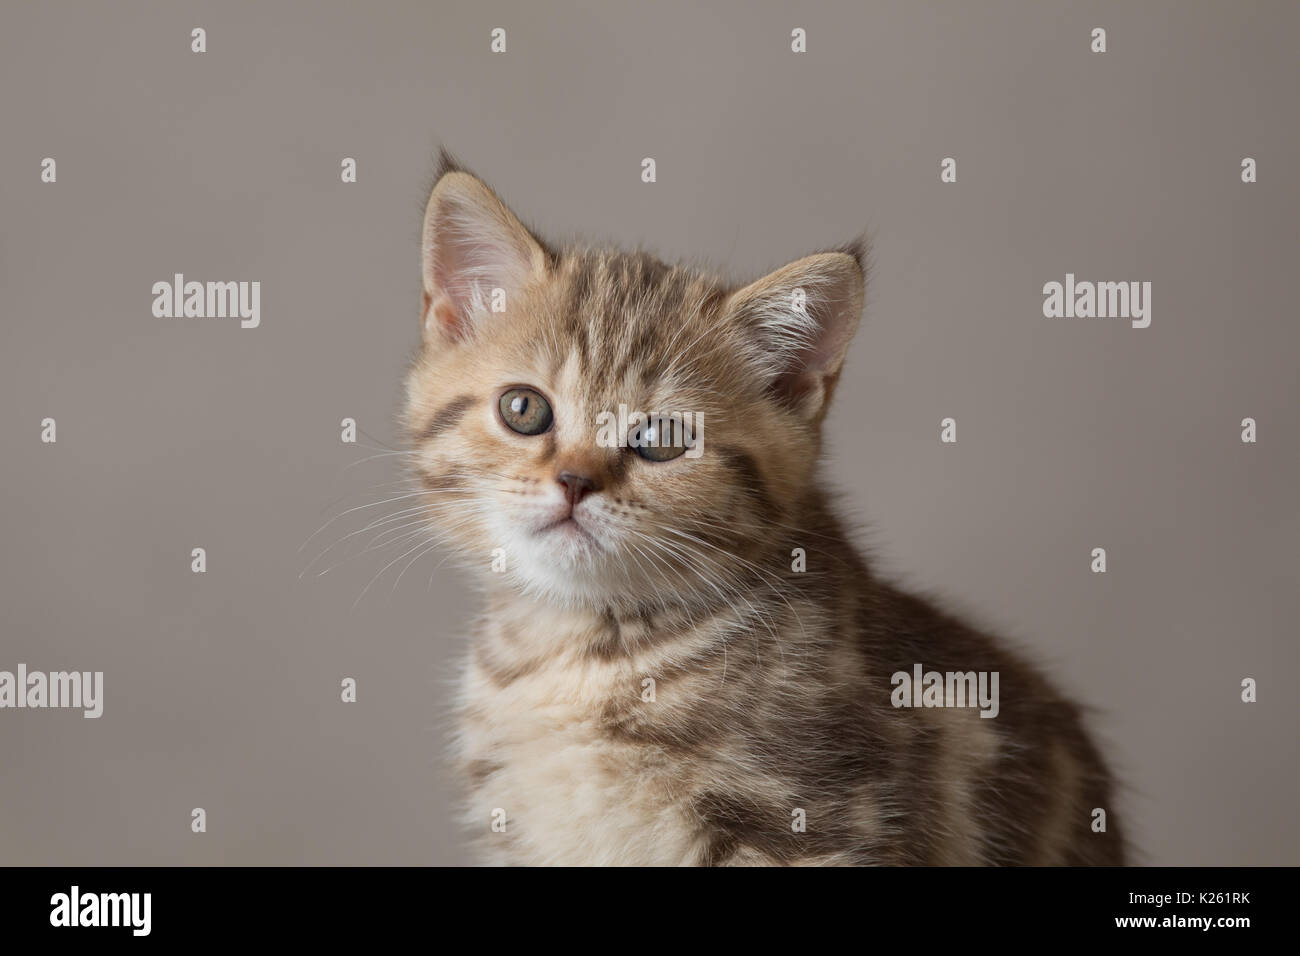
658 677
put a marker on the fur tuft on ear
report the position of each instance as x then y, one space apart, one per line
472 244
797 322
447 163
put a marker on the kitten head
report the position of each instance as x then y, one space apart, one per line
522 406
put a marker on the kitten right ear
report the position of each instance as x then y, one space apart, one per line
472 244
798 322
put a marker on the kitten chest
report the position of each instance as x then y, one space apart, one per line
550 784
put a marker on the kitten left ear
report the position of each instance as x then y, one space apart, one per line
472 244
797 323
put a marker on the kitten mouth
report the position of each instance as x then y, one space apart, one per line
568 527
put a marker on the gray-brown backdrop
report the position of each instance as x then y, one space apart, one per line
223 688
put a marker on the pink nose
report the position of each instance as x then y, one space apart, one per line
575 486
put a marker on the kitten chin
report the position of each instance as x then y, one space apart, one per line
683 659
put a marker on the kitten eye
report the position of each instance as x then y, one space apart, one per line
660 439
525 411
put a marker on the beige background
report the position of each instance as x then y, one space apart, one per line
223 689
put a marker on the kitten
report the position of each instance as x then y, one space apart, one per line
654 679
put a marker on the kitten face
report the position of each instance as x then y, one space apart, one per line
505 407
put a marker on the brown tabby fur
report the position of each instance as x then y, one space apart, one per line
771 687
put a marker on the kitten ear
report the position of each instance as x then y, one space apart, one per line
472 244
797 323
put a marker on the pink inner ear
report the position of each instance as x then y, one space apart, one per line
453 322
832 338
456 258
472 250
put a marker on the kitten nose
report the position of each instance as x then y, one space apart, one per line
575 486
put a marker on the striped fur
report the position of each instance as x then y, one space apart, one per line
772 689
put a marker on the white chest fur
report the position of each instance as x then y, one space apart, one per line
551 786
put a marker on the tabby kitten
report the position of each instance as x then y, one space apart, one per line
654 679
